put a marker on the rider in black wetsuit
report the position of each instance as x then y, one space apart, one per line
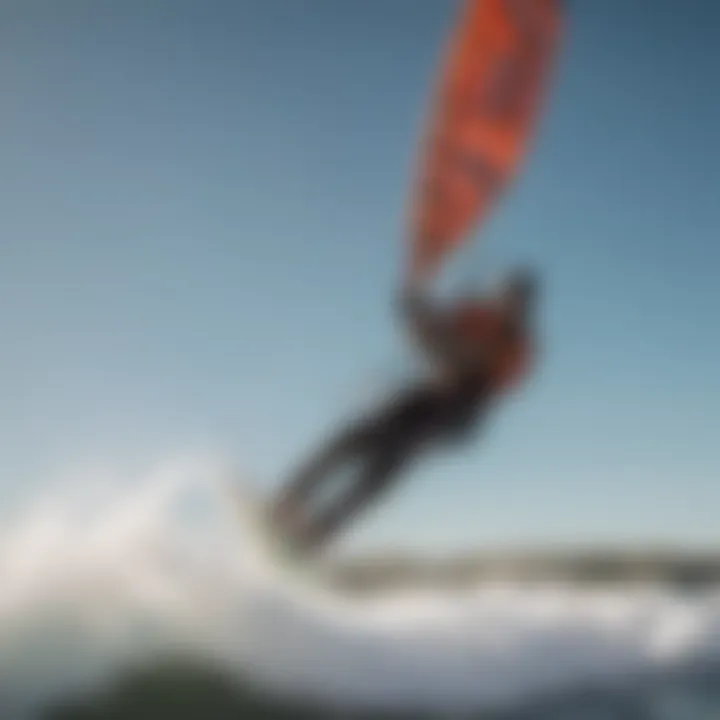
478 348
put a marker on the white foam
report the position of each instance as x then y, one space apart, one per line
97 577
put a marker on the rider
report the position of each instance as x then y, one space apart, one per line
478 348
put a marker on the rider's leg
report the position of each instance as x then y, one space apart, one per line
421 420
300 489
377 477
397 425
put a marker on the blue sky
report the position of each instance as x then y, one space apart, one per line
201 207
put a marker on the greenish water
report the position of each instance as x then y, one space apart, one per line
186 692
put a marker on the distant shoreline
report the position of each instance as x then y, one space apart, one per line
690 570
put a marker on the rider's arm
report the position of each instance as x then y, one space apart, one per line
425 323
435 335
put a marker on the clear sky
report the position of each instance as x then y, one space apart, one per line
200 212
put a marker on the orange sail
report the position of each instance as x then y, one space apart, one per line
489 91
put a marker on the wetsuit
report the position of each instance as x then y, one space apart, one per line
477 353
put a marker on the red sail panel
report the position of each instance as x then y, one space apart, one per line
490 87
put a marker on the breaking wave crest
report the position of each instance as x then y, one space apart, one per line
113 570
